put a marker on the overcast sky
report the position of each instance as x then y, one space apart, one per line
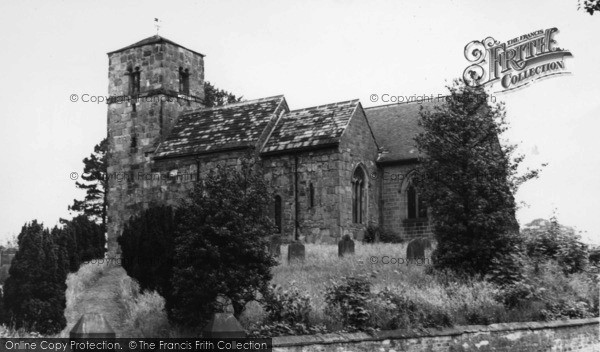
313 52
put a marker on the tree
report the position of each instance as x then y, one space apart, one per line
468 179
217 97
147 248
94 174
220 245
590 6
83 239
34 293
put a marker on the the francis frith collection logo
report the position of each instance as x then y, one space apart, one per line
516 63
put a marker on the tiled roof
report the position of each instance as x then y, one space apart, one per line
395 127
220 128
311 127
155 39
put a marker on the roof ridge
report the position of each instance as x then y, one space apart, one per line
153 39
230 105
407 103
323 105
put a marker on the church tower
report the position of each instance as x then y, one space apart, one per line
151 83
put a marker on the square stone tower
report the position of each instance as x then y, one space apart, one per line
151 83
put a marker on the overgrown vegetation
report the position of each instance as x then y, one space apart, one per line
328 294
217 238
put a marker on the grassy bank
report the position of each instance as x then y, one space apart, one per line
428 297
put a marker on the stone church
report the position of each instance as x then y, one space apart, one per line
334 168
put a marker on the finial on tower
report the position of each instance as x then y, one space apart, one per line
157 24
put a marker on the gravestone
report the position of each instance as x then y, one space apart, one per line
345 246
223 326
275 246
416 248
296 252
92 325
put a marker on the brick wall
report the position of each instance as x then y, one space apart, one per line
569 335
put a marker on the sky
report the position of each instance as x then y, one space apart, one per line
313 52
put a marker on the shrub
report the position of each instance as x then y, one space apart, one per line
147 248
287 313
221 245
351 297
406 313
556 294
507 269
559 243
286 306
144 312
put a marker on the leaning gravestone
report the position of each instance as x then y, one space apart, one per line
92 325
223 326
345 246
296 252
275 246
416 248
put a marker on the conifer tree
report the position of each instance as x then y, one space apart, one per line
468 179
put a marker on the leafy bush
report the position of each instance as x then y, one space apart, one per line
147 248
351 297
286 306
406 313
374 233
559 243
556 295
288 313
507 269
220 245
144 312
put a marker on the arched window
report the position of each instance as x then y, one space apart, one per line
184 81
358 195
277 213
134 81
416 205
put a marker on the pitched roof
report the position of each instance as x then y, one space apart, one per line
155 39
395 127
231 126
310 127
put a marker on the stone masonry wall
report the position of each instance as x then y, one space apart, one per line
319 223
330 173
394 180
570 335
137 124
358 149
